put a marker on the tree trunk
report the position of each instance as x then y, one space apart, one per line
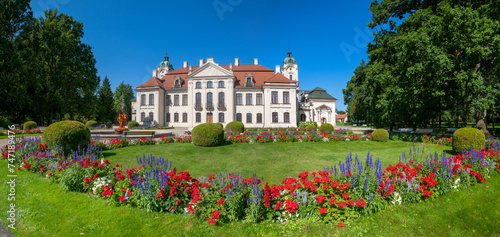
481 124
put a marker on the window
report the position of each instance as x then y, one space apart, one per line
239 99
238 117
151 99
291 76
221 99
176 100
221 117
209 84
143 99
176 117
286 117
259 99
209 99
168 101
198 99
274 97
249 80
259 118
249 118
286 97
275 117
198 85
198 117
185 99
184 117
167 118
221 84
151 117
249 99
143 116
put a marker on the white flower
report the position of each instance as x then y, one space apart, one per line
456 184
300 140
275 140
397 198
325 139
250 141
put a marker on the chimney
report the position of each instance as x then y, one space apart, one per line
185 64
210 59
277 69
236 62
255 61
155 74
201 62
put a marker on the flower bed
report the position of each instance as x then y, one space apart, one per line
19 131
335 194
291 135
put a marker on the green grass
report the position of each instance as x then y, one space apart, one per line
273 161
44 209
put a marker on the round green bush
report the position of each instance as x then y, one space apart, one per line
91 123
29 125
326 127
465 139
208 134
70 134
311 127
235 126
132 124
380 135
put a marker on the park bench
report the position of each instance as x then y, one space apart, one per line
188 131
405 130
424 130
451 130
140 133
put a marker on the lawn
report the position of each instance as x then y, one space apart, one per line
44 209
273 161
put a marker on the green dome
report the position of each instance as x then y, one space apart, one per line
289 59
166 63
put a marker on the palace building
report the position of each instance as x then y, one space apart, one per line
211 93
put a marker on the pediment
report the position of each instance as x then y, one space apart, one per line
210 69
324 107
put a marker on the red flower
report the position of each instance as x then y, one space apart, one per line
221 201
345 196
178 202
360 202
325 187
123 190
212 221
50 174
320 199
350 202
86 180
340 224
278 205
322 210
122 198
291 205
215 214
332 201
342 204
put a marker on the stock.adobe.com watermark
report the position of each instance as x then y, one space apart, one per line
11 179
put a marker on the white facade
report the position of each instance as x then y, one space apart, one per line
253 94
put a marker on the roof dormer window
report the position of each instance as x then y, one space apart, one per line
177 82
249 80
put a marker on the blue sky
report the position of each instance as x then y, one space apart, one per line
129 38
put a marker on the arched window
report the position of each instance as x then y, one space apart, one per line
221 117
275 117
259 118
209 99
221 100
198 98
221 84
238 117
286 117
198 117
151 117
249 117
209 84
198 85
143 116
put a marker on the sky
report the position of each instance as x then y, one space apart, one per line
130 38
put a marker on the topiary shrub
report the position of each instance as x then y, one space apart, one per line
132 124
70 134
380 135
465 139
326 127
208 134
235 126
91 123
29 125
311 127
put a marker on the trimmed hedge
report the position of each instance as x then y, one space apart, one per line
326 127
311 127
235 126
91 123
70 134
208 134
465 139
380 135
132 124
29 125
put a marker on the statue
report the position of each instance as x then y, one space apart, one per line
122 120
